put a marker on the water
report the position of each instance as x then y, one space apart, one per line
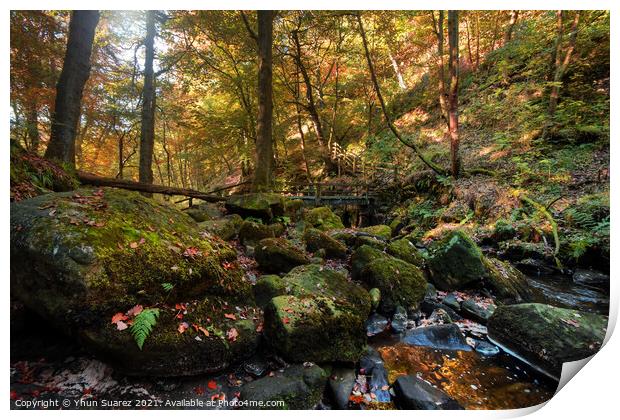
559 290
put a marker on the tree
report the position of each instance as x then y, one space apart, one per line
75 73
561 63
264 161
438 28
453 98
147 129
514 15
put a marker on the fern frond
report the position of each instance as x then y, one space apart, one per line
143 324
167 286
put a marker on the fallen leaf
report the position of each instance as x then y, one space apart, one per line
204 331
212 384
133 245
120 325
232 334
135 310
230 316
286 320
259 327
199 390
182 327
118 317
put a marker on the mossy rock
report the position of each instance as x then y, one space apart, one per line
345 237
363 256
400 283
277 255
372 241
382 231
251 232
405 250
297 388
323 218
264 206
205 211
455 261
293 209
321 318
506 282
267 287
78 258
226 228
316 239
547 336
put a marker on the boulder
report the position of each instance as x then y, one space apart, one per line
321 319
298 387
322 218
293 209
80 258
440 337
451 301
382 231
475 311
413 393
340 385
268 287
277 255
316 240
400 283
376 324
405 250
264 206
591 279
399 320
369 240
226 227
506 282
363 256
375 297
547 336
455 261
205 211
251 232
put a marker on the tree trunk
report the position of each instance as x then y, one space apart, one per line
147 128
514 15
441 67
264 162
453 41
561 64
32 128
75 73
399 76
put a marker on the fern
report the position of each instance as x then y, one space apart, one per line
167 286
143 324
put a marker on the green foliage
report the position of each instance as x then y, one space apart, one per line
143 325
254 220
282 219
167 286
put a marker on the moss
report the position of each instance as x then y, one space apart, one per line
363 256
503 230
375 297
371 241
226 227
323 218
400 283
265 206
204 212
316 240
252 232
455 261
267 287
506 282
343 236
381 231
405 250
293 209
277 255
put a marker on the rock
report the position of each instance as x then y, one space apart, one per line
376 324
591 279
322 218
345 237
400 283
455 261
534 267
405 250
451 301
363 256
268 287
293 209
485 348
277 255
379 384
440 316
506 282
205 211
264 206
456 212
547 336
256 366
412 393
301 388
375 297
366 239
321 320
429 306
382 231
316 240
370 360
79 258
252 232
226 227
472 310
440 337
399 320
431 292
341 384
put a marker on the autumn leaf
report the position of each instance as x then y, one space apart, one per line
227 265
120 325
199 390
230 316
232 334
119 317
133 245
286 320
259 327
135 310
212 384
203 330
182 327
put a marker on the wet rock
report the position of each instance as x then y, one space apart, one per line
316 240
277 255
441 337
205 211
226 227
251 232
591 279
534 267
399 320
405 250
430 306
412 393
341 384
256 366
375 297
455 261
370 360
382 231
379 384
299 387
363 256
547 336
431 292
440 316
128 246
264 206
485 348
472 310
400 283
376 324
321 319
451 301
506 282
322 218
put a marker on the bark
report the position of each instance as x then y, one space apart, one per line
561 64
514 15
441 67
453 42
32 128
397 72
73 77
147 128
264 161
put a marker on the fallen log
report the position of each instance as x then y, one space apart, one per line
100 181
